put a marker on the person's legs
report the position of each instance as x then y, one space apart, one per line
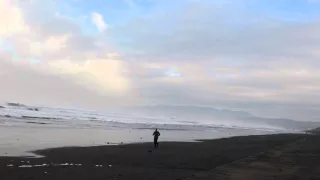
155 142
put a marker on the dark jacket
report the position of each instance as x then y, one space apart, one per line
156 134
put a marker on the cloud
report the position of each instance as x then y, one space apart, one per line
11 19
25 84
206 36
202 53
104 76
97 19
57 26
227 59
60 49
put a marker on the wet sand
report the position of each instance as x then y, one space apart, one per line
17 140
173 160
299 160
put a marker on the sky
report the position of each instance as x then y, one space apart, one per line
259 56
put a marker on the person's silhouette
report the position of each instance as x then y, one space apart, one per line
156 135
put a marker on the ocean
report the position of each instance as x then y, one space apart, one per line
24 129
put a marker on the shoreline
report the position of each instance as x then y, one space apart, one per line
16 141
172 160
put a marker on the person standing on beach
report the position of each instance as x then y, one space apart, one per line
156 135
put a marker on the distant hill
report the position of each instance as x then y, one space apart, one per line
16 104
214 116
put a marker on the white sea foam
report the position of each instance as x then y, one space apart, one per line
79 117
45 165
25 166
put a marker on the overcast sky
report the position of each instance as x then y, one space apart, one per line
260 56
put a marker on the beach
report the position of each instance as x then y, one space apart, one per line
73 144
159 90
21 140
218 158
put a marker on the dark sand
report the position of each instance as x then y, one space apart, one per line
299 160
176 160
